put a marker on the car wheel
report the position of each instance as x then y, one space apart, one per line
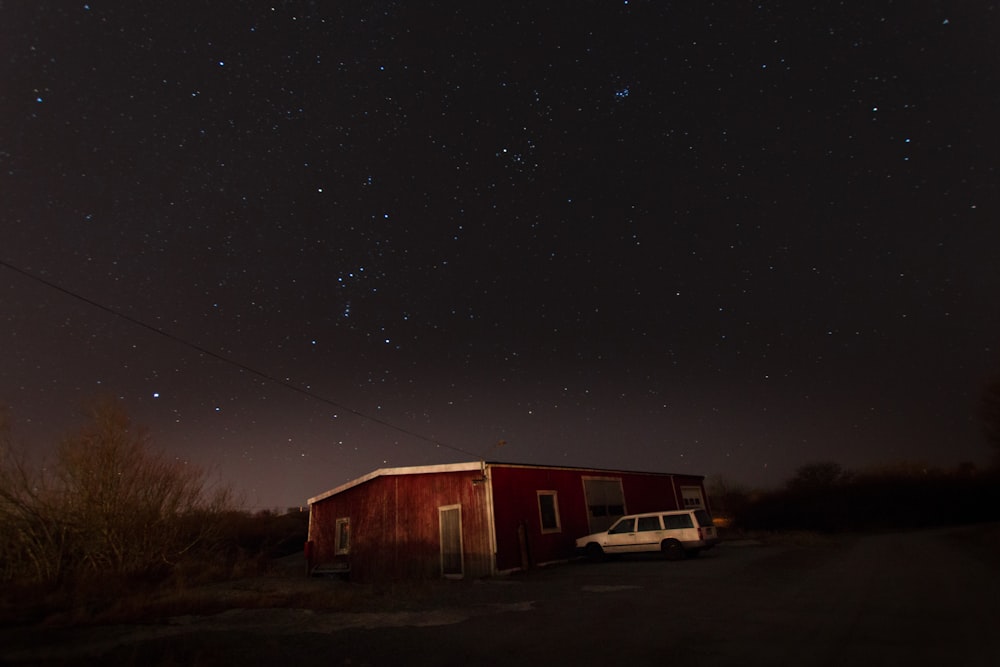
672 549
595 552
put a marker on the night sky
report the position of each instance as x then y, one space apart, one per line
305 240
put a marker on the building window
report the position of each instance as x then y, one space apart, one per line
343 536
605 501
548 511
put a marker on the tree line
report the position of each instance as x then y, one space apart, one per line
110 504
827 497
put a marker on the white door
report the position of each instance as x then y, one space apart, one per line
450 521
692 498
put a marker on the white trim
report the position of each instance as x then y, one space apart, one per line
478 465
491 522
411 470
586 469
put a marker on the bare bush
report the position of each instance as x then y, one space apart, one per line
34 542
111 505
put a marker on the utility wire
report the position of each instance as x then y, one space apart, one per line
233 362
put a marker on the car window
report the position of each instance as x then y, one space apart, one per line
677 521
704 518
623 526
648 523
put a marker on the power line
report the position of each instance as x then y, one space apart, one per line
232 362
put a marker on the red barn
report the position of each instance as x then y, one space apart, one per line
477 519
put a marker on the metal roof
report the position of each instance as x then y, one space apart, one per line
471 465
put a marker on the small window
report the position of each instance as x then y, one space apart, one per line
648 523
548 511
623 526
343 536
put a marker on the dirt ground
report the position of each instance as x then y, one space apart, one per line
917 598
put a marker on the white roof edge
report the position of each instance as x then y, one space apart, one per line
408 470
475 465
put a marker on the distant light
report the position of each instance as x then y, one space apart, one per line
156 394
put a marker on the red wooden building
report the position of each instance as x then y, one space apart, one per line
477 519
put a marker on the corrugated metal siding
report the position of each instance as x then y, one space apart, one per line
650 493
515 498
394 521
394 525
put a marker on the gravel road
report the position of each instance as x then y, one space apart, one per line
917 598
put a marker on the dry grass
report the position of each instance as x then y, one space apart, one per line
208 589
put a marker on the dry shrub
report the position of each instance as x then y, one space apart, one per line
110 513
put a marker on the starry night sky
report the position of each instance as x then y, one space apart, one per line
304 240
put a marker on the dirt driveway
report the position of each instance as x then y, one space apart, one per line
919 598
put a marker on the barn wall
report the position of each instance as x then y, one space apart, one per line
394 520
515 498
394 525
651 492
515 503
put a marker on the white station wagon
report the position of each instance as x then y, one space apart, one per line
676 534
